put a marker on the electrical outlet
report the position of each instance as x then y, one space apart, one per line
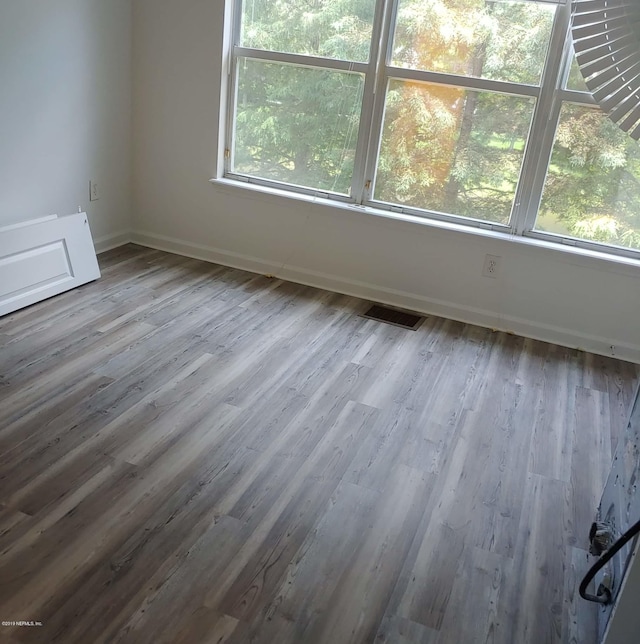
94 195
491 266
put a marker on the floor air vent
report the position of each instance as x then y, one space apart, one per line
393 316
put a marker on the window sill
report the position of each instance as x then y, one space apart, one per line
568 253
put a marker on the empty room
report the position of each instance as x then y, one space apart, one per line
319 321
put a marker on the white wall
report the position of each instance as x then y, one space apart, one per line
65 111
542 292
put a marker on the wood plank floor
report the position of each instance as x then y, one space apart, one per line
191 453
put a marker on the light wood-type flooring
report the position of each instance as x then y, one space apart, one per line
195 454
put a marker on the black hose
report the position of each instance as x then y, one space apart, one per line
605 596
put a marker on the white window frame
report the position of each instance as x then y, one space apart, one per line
549 97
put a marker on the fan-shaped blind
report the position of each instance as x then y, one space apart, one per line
606 39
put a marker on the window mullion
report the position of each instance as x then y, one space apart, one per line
468 82
384 44
543 128
574 96
300 60
358 180
232 85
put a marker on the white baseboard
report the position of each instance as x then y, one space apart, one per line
471 315
107 242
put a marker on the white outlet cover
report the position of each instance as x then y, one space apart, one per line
491 267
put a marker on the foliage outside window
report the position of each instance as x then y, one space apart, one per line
438 108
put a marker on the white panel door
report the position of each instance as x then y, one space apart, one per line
44 257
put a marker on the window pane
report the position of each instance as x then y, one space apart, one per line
297 124
331 28
575 80
452 150
505 41
592 190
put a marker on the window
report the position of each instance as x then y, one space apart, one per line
592 185
470 111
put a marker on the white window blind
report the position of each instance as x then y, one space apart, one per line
606 39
